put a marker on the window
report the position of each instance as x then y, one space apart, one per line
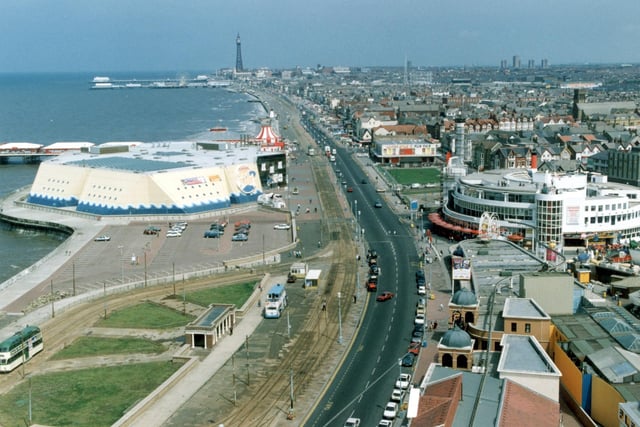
527 328
514 327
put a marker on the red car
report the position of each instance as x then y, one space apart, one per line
384 296
414 348
350 190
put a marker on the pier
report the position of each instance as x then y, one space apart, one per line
178 83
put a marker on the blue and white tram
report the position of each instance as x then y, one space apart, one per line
20 347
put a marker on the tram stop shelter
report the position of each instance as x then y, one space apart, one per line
211 326
312 278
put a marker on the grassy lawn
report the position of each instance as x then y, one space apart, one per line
145 316
236 294
89 397
409 176
98 346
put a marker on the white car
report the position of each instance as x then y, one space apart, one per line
422 290
391 410
173 233
103 238
420 319
385 423
352 422
403 381
281 227
397 394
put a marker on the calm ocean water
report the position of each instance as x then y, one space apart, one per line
48 108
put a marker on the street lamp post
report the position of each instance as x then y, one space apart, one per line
121 263
339 318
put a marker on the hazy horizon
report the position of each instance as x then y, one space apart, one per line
168 35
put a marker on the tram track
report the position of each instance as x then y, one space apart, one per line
268 402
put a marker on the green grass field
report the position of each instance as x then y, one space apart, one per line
89 397
145 316
408 176
236 294
98 346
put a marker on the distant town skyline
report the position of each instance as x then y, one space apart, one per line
160 35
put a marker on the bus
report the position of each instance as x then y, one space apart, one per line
276 302
20 347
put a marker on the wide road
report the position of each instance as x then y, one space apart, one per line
363 384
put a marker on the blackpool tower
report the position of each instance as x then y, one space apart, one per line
238 55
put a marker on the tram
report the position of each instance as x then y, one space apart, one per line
20 347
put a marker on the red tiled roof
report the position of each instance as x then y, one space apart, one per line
439 403
525 408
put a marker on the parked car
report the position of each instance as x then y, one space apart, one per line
397 395
152 229
390 411
386 295
420 319
419 274
414 348
385 423
217 227
403 381
103 238
212 233
420 281
417 334
422 290
281 227
408 360
173 233
240 237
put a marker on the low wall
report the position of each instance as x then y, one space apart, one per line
130 417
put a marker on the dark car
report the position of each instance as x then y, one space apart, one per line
374 269
364 181
420 281
377 204
409 359
350 190
212 233
419 274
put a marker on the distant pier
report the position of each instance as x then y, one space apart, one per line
203 81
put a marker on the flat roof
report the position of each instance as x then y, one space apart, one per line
523 307
313 274
156 157
496 263
523 354
210 316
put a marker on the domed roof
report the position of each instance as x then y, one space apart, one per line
464 297
456 338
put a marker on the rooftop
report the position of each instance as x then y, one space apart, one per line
523 354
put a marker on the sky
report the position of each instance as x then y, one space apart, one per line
199 35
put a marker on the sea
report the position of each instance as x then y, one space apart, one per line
46 108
